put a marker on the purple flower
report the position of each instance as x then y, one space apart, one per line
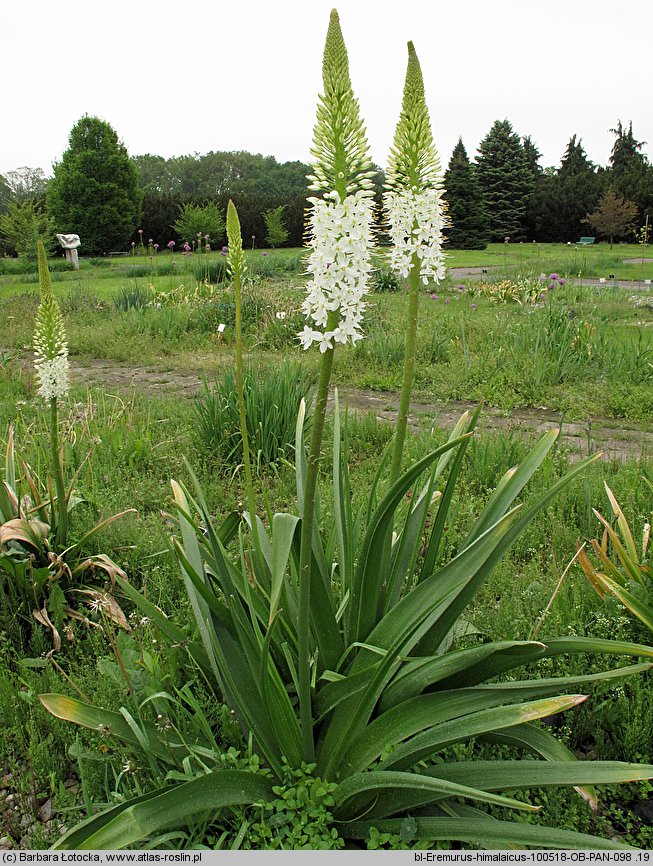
264 254
156 246
474 306
447 300
187 247
461 287
561 282
434 297
170 245
554 277
225 250
506 240
552 286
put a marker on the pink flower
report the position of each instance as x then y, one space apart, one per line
170 245
264 254
434 297
156 246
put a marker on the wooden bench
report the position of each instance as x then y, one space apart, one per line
118 254
586 241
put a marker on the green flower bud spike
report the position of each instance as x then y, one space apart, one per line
413 162
415 210
340 152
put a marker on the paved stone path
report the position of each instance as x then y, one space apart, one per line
617 440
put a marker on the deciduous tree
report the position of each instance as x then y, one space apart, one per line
614 217
94 192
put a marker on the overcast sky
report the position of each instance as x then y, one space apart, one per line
176 78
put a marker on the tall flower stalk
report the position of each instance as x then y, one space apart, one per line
414 207
339 263
51 363
237 268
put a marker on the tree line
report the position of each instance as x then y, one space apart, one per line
506 193
116 202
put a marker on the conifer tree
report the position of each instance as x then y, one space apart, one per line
506 181
533 155
94 192
467 218
579 190
630 173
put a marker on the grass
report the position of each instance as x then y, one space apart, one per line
586 351
506 355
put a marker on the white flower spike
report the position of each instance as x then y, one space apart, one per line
50 346
414 186
340 223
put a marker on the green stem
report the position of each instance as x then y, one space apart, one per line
409 367
306 549
56 454
240 390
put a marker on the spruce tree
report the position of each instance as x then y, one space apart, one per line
468 221
533 156
94 192
506 181
630 172
579 190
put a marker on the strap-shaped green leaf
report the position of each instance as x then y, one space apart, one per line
421 726
462 668
166 809
370 575
355 793
112 724
497 834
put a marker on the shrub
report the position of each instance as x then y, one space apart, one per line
195 222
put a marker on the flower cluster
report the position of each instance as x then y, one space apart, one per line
340 265
413 197
50 346
416 222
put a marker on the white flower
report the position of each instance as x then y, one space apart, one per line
417 220
340 265
53 376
